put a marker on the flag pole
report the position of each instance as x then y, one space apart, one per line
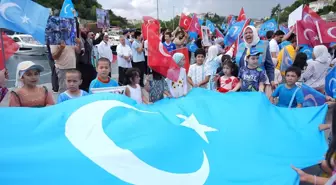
2 48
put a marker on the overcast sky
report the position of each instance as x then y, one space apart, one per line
135 9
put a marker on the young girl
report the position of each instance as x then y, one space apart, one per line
229 80
29 94
180 87
211 65
133 89
157 88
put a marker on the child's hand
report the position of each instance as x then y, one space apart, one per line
304 177
328 98
323 127
216 78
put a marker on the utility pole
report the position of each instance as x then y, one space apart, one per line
157 9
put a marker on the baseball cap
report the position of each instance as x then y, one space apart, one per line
28 65
254 52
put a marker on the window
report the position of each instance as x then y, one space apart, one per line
16 39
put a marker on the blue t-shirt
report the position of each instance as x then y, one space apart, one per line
251 78
171 47
67 96
285 96
99 84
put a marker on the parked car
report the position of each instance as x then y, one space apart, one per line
28 45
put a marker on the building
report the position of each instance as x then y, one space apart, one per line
319 4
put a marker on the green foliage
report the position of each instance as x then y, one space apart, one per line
86 10
325 10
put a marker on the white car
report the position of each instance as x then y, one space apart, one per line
28 45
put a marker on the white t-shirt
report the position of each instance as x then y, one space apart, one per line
180 87
197 73
104 50
146 47
135 93
124 51
274 47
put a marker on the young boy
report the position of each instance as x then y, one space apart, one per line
286 91
73 79
196 74
168 42
252 77
103 80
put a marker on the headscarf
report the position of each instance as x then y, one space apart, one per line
178 57
219 40
22 68
256 37
212 53
321 54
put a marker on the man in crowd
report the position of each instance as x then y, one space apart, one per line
124 53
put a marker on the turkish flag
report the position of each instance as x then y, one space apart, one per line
152 23
307 33
327 31
195 26
185 21
242 16
185 52
219 34
308 15
10 47
229 18
159 59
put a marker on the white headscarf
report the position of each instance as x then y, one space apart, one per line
256 38
321 54
212 53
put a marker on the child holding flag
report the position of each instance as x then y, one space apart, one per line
180 87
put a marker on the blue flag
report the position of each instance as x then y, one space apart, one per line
284 29
24 16
286 61
67 9
210 25
109 139
192 47
312 97
193 35
224 27
200 21
330 83
270 25
233 33
307 50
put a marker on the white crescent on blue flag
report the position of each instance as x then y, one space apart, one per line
286 61
312 97
24 16
200 21
307 50
270 25
109 139
67 9
193 35
210 25
233 33
330 83
192 47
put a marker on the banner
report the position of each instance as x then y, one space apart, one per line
206 36
103 18
61 29
107 139
115 90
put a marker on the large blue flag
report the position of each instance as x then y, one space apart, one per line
67 9
210 25
224 27
284 29
330 83
24 16
270 25
109 139
200 21
233 33
192 47
193 35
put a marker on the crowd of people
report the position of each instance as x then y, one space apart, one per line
255 67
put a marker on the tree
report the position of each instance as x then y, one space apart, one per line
275 10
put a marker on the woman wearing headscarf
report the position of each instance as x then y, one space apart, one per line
252 40
314 75
180 87
212 63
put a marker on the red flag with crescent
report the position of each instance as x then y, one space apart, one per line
242 16
152 23
10 47
327 31
195 26
159 59
185 21
307 33
308 15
